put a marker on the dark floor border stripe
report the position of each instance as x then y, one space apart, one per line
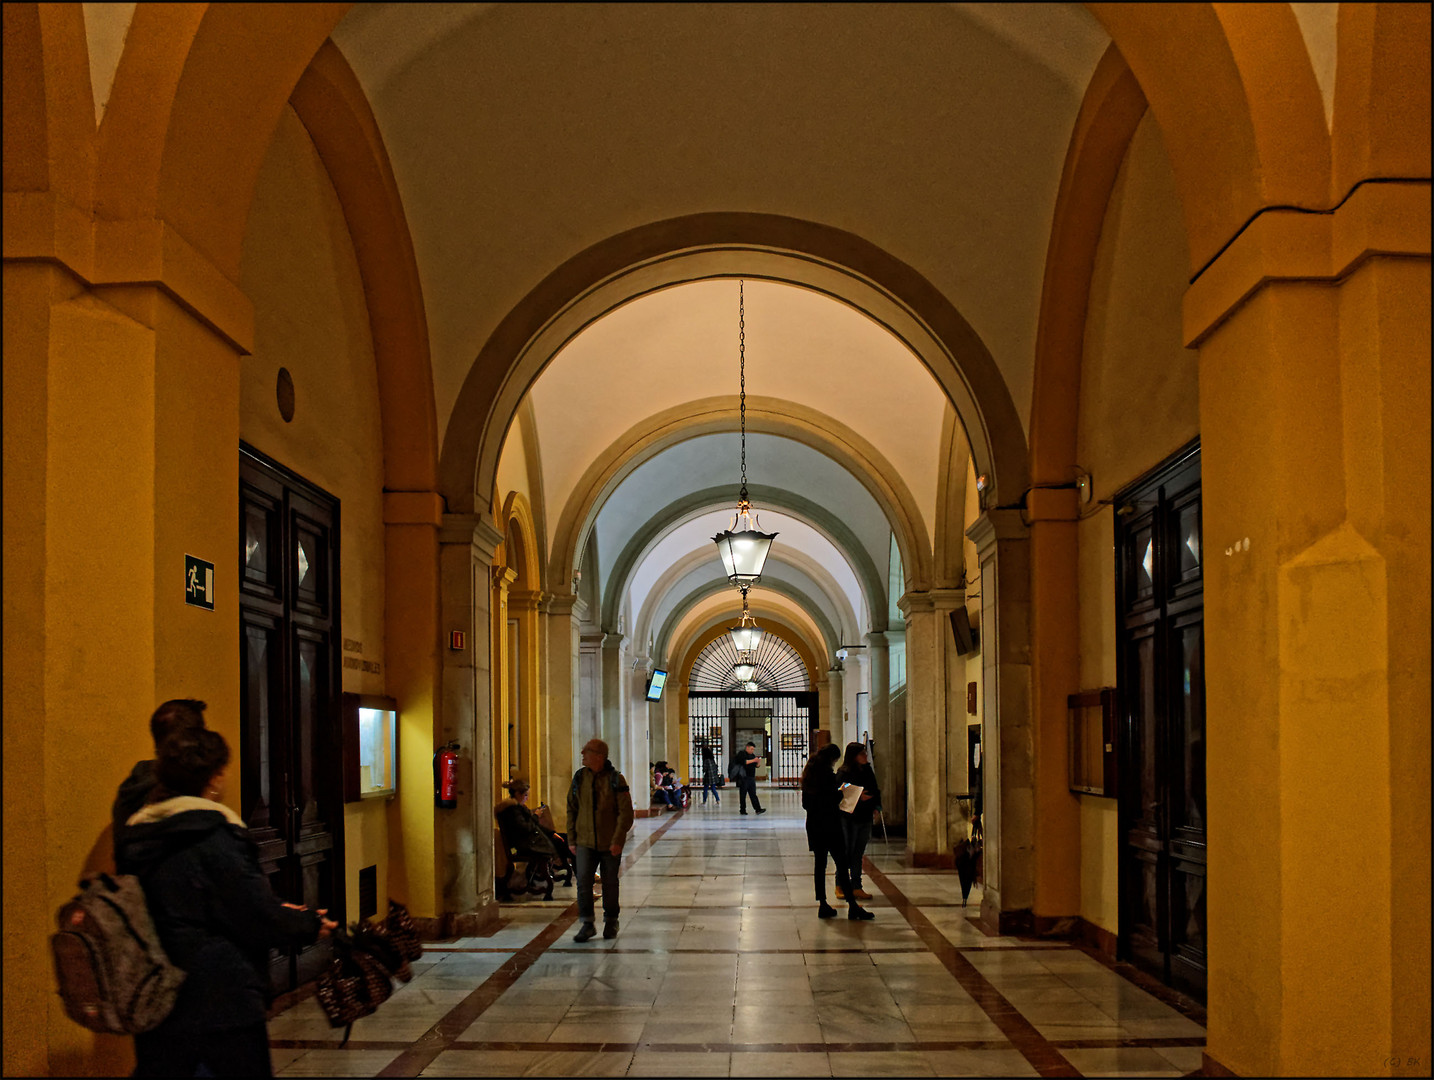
1024 1036
441 1035
946 1046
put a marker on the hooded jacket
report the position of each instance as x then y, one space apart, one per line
132 794
213 909
599 808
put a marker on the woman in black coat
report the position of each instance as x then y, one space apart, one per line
215 914
821 799
856 826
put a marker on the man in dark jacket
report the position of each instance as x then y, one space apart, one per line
178 714
215 914
744 766
599 819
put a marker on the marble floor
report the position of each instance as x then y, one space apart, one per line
722 968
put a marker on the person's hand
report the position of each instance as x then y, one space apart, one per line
616 849
326 926
295 907
864 796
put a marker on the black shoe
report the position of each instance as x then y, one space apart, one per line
586 933
761 809
609 929
826 911
743 813
857 914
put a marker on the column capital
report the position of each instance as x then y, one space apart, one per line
474 529
503 577
559 604
995 525
877 639
930 600
611 639
526 599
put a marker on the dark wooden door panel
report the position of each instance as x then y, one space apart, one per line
292 794
1161 679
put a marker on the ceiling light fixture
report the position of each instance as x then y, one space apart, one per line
744 671
747 635
743 546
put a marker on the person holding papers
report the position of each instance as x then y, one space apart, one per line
821 799
856 774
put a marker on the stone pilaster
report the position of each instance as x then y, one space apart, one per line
1006 734
463 836
929 653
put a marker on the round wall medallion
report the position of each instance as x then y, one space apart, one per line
285 393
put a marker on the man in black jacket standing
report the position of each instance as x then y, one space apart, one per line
744 773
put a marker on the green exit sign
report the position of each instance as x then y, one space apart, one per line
198 583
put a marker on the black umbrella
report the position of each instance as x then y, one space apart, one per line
966 853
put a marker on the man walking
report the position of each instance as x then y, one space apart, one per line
599 819
745 766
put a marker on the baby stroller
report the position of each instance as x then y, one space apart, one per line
563 861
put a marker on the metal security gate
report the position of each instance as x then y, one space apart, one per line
780 724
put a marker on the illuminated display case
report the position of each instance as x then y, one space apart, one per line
370 746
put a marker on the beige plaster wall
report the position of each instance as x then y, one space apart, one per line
1139 403
310 317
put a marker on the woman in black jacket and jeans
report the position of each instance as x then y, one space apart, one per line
821 799
215 914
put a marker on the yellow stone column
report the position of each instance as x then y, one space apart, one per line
1313 331
121 458
526 605
560 700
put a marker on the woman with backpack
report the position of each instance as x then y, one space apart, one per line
214 912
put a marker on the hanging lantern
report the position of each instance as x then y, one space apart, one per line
744 671
743 546
747 635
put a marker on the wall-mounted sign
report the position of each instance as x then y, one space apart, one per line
199 582
455 639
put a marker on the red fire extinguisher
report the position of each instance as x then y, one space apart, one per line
445 777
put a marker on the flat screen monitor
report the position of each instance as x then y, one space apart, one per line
655 685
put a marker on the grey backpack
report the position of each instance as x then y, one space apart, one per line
112 971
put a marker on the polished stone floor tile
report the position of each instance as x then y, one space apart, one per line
979 1063
338 1063
768 1064
1121 1061
723 968
884 1063
674 1064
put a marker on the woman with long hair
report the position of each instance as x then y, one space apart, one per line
821 799
856 826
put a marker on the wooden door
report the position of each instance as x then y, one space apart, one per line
1161 681
291 759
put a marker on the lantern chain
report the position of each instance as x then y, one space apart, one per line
742 377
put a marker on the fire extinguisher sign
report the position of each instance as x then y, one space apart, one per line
198 583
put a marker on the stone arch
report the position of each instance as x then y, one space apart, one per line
1239 108
642 624
709 631
333 109
517 523
1381 94
766 415
818 517
789 250
830 639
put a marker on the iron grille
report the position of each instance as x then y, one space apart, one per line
779 667
782 727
